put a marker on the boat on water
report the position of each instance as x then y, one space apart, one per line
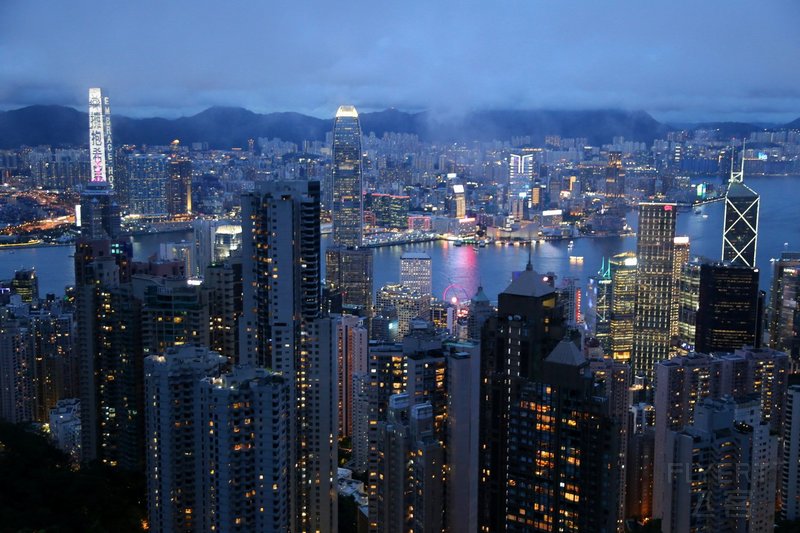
575 259
482 244
698 211
571 244
458 243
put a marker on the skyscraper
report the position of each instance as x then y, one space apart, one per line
514 345
623 303
415 272
348 271
740 229
347 209
281 270
681 257
783 311
171 383
615 175
99 212
179 185
655 245
728 308
148 175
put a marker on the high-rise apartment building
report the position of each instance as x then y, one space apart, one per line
281 271
783 310
722 470
171 382
179 185
655 247
148 175
347 209
17 378
740 229
352 341
790 465
244 460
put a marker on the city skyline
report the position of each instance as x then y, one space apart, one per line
596 57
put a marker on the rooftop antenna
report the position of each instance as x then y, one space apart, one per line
738 176
529 266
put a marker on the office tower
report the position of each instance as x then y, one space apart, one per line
348 271
148 177
480 309
352 341
722 473
688 305
412 472
26 284
244 465
394 299
171 380
615 175
784 293
740 229
99 211
564 443
682 254
514 344
790 466
602 287
416 272
623 302
459 202
347 209
520 179
655 247
727 314
17 379
571 295
179 185
281 271
223 283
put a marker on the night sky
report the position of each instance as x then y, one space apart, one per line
683 60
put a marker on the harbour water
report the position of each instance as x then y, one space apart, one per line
458 270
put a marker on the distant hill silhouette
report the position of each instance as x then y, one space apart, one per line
226 127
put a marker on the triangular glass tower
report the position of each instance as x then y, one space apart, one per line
740 229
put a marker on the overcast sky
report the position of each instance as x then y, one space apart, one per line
681 60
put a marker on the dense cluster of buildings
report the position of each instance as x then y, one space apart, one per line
258 391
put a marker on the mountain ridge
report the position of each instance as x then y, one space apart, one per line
226 127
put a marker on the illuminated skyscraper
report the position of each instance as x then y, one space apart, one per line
347 209
655 248
615 175
783 311
179 185
740 229
623 303
682 254
415 272
99 212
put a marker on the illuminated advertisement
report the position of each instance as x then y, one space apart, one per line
100 145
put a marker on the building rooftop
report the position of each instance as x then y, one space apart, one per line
529 283
346 111
566 353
